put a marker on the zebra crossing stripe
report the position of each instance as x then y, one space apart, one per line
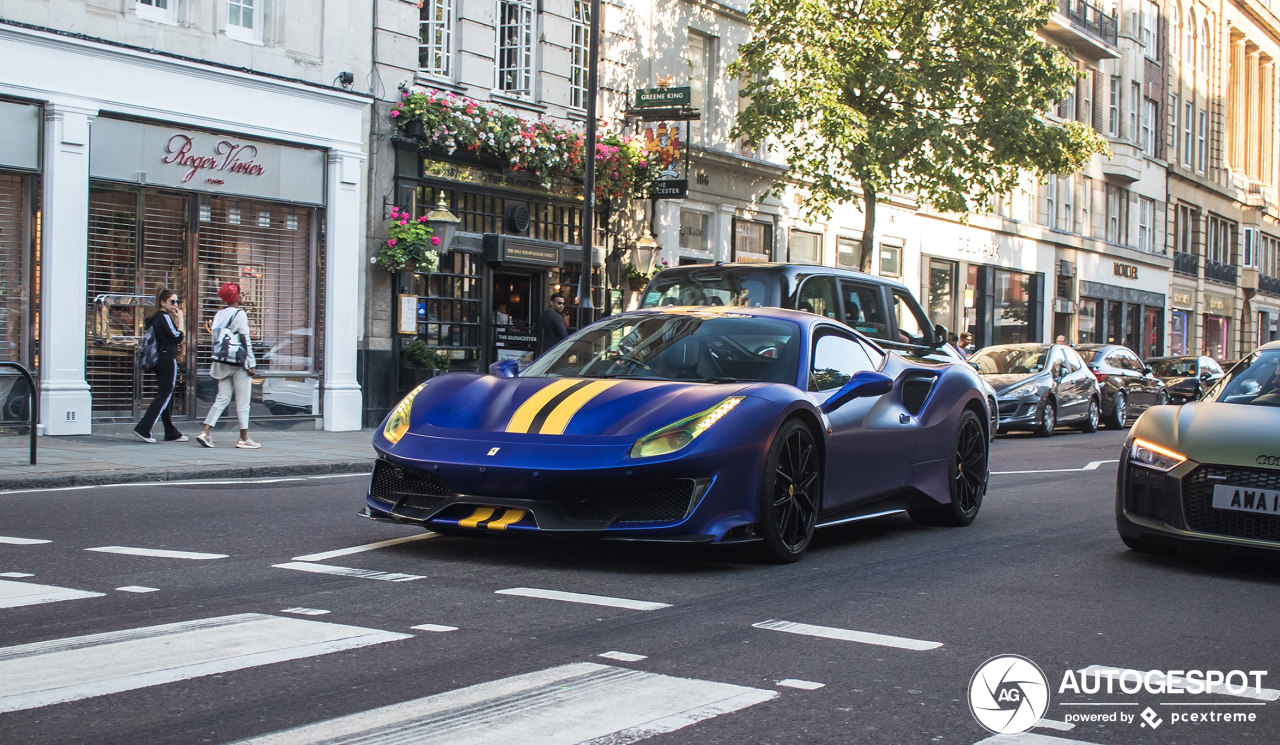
79 667
15 594
583 703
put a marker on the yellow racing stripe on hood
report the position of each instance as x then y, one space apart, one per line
559 418
524 415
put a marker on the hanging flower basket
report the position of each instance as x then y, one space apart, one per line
410 246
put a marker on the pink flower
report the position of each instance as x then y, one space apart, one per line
435 239
395 113
404 94
391 242
422 219
395 211
644 164
404 222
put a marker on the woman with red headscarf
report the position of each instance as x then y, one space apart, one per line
231 378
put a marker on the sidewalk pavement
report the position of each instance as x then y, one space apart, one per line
123 458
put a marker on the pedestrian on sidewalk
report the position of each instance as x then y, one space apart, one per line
231 375
166 325
551 324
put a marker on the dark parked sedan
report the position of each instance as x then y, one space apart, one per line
1128 385
1040 386
1186 378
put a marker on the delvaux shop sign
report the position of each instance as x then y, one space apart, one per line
204 161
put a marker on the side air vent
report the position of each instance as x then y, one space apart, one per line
915 391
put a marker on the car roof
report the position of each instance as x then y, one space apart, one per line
754 311
779 269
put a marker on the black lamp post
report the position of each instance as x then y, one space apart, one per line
586 309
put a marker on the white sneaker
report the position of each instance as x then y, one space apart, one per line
205 440
248 445
140 436
179 438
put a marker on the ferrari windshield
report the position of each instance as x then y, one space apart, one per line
1010 360
1255 381
1179 367
678 346
712 286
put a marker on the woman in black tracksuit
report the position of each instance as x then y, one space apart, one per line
167 324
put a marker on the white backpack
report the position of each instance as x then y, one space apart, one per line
229 348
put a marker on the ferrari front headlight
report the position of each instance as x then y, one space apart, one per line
673 437
398 422
1153 456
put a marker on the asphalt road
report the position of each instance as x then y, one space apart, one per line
231 645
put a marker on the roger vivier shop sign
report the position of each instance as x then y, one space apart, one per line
204 161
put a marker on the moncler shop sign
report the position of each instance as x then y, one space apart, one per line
204 161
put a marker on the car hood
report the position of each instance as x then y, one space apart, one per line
584 407
1003 382
1180 382
1211 432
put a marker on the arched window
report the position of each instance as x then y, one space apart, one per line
1189 40
1176 32
1203 64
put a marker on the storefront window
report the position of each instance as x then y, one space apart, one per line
1088 322
849 253
942 292
752 241
1151 327
694 230
890 260
449 308
1216 334
1178 333
805 247
1012 308
15 243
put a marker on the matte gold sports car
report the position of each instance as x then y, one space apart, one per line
1207 471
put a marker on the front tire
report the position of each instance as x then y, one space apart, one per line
1048 418
1119 413
790 493
968 477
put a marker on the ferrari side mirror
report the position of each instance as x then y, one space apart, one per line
939 335
863 384
504 369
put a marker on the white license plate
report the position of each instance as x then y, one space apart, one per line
1245 499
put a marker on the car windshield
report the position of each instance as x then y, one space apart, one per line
1010 360
715 286
1087 354
1255 381
1177 368
671 346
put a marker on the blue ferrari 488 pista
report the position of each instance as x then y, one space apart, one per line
718 425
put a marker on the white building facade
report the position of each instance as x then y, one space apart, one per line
181 145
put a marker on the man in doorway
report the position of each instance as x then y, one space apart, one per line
500 316
1060 340
551 328
966 344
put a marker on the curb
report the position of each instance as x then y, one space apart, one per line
106 478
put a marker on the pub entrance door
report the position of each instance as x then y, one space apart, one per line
515 304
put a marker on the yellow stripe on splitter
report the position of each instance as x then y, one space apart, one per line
559 419
510 518
524 415
480 515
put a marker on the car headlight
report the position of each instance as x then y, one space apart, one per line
673 437
398 422
1153 456
1024 392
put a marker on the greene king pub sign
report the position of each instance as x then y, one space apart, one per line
648 98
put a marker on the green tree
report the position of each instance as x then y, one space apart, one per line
940 99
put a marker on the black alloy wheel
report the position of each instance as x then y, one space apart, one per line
1162 398
1048 418
968 476
791 493
1119 413
1095 414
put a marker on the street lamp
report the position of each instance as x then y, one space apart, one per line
443 223
646 252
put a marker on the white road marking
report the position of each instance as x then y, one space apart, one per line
79 667
21 541
303 566
804 685
195 482
16 575
305 611
1055 724
365 547
846 635
137 588
1029 738
576 597
584 703
863 637
623 656
1092 466
156 553
14 594
1265 694
433 627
